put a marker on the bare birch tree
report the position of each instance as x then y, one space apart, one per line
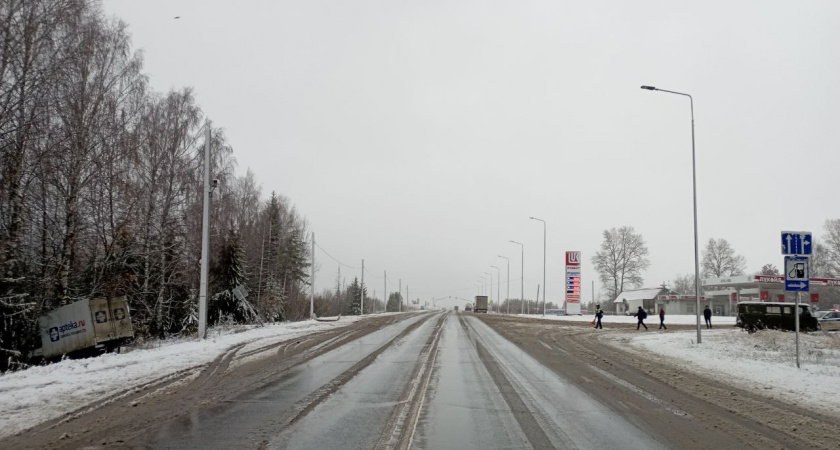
101 187
684 284
621 260
831 246
720 260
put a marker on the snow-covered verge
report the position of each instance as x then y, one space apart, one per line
42 393
670 319
763 362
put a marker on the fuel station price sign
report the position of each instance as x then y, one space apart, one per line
572 277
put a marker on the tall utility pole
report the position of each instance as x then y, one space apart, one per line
400 295
522 285
490 291
498 286
262 257
507 299
312 281
205 238
407 301
694 184
544 289
362 291
385 290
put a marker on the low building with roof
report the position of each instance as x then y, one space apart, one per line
629 300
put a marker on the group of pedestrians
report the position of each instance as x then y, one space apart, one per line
641 315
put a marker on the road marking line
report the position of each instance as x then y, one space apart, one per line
558 349
639 391
586 379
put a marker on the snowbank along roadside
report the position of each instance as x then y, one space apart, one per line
763 362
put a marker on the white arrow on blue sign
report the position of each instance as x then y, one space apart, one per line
797 274
796 243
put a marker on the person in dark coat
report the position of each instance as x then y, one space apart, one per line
599 313
662 318
641 315
707 313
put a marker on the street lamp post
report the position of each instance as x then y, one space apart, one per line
522 287
507 299
498 285
490 291
694 183
312 282
545 287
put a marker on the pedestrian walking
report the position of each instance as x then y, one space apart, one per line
707 313
641 315
599 313
662 318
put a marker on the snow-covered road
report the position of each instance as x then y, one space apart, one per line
763 362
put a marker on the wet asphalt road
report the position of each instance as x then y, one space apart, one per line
435 381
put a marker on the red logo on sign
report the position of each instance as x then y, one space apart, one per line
765 295
781 298
815 297
572 258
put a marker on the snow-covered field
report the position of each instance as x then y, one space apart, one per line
723 321
42 393
763 362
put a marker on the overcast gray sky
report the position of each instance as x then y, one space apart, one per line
421 135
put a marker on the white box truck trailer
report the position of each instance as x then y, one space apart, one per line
95 323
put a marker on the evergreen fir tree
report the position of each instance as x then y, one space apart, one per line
394 300
229 274
352 298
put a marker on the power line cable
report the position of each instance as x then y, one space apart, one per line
336 259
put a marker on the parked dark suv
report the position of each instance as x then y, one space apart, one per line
754 316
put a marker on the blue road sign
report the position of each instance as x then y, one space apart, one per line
796 243
796 274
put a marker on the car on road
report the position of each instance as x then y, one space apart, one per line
468 308
829 320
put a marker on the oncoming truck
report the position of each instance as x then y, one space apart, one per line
96 324
480 304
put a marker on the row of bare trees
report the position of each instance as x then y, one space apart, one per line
101 188
622 258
